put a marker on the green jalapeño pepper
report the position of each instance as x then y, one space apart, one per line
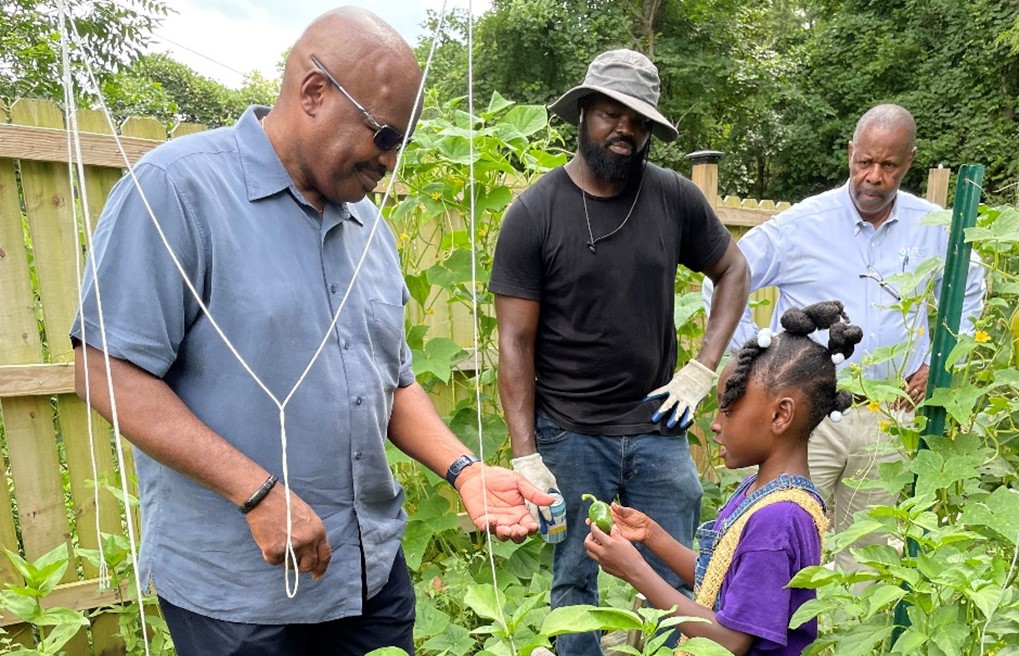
599 513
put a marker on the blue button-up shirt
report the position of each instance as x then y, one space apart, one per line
272 271
818 249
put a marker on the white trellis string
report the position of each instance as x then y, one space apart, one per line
290 556
65 20
472 222
74 158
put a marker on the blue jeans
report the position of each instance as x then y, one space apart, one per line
652 473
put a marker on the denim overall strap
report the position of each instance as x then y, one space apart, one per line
781 482
725 546
707 534
723 543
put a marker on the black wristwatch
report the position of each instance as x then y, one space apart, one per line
458 466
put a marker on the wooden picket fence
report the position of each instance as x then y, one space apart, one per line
49 499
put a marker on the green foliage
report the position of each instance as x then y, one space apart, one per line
106 33
52 627
160 87
959 499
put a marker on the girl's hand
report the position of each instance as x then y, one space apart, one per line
614 553
632 523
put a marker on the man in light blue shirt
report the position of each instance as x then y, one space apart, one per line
847 244
263 274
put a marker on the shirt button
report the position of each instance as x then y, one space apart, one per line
346 345
358 455
359 400
332 288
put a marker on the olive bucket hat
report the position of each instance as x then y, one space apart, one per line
625 76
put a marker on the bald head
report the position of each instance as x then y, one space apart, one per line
355 43
887 118
349 78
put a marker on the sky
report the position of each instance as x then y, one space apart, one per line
224 39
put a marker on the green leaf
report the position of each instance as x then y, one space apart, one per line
688 306
438 358
498 103
419 287
581 619
1000 513
482 600
527 119
703 647
387 651
455 640
429 620
881 595
24 606
859 528
812 577
810 609
909 641
957 402
1005 228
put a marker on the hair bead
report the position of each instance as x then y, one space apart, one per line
835 416
764 338
838 358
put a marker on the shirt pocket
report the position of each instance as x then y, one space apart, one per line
386 336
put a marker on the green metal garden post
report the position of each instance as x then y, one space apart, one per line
953 291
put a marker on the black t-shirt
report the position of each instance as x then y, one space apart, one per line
606 333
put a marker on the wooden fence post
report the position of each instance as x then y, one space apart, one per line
937 185
705 172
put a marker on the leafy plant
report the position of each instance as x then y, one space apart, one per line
52 627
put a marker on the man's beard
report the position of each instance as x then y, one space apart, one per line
607 165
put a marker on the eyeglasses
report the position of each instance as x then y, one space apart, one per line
885 285
386 137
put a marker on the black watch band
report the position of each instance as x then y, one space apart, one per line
458 466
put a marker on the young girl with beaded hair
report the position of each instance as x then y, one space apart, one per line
771 395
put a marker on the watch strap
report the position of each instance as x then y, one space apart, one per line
458 466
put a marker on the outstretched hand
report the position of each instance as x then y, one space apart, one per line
499 504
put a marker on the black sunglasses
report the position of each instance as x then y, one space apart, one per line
386 137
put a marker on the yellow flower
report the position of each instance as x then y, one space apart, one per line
873 406
404 236
436 195
920 330
884 424
981 337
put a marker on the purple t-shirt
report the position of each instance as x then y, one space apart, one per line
778 541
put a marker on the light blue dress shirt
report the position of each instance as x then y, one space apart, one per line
272 271
820 249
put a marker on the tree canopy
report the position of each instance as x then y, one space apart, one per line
775 84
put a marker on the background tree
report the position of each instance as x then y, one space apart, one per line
110 33
953 63
161 87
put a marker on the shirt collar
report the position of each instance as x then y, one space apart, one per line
859 223
264 173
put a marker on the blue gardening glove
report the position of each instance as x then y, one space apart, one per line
537 474
682 394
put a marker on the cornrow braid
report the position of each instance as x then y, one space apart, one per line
793 359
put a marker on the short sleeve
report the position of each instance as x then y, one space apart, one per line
705 237
144 302
518 266
777 542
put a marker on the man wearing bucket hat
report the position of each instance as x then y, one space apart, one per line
584 283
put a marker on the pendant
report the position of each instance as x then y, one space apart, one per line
591 247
